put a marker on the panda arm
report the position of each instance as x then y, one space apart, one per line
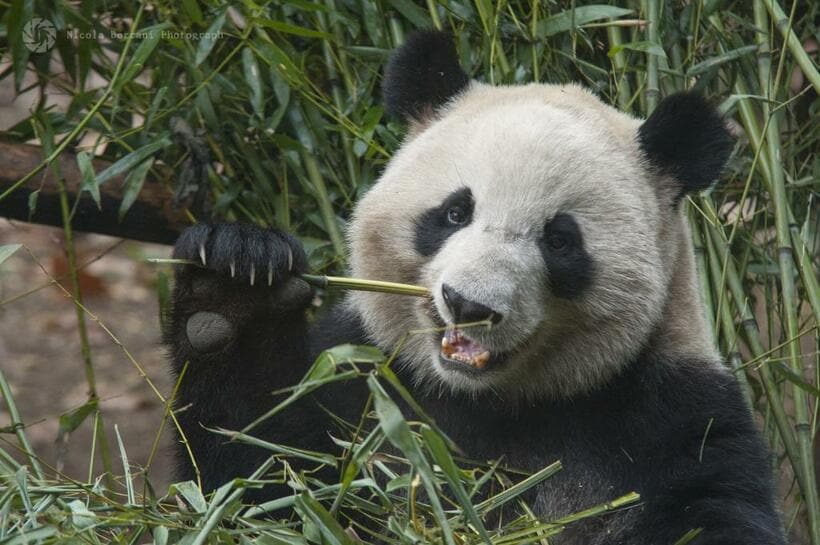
238 329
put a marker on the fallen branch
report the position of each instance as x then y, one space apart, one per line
151 218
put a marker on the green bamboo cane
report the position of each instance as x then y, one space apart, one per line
358 284
82 328
331 57
433 11
333 282
786 260
726 320
755 345
623 89
703 271
784 25
19 427
652 10
536 65
323 200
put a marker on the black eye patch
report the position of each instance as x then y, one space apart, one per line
570 267
436 225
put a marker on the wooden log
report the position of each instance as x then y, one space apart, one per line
151 218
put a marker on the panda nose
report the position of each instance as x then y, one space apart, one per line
465 311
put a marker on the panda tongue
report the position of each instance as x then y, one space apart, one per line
456 346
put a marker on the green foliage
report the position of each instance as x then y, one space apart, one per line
273 108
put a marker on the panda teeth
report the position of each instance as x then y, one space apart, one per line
481 360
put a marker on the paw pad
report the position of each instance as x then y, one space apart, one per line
208 331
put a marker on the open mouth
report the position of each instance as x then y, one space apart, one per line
458 348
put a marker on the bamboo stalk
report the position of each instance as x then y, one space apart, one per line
703 271
433 11
623 89
82 330
727 323
333 282
85 347
755 133
323 200
652 90
330 58
536 68
784 25
751 331
19 427
786 259
358 284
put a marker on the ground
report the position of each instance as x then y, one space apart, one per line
41 358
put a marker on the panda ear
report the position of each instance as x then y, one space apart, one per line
686 138
422 75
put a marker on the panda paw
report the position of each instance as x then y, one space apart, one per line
243 272
242 252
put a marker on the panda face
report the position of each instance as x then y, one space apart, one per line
527 209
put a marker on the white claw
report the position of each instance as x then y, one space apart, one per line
253 274
202 253
290 259
233 269
270 273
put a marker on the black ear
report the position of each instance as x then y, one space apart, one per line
422 75
687 139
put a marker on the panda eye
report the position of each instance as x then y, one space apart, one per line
456 215
558 241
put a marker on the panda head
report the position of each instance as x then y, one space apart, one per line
548 217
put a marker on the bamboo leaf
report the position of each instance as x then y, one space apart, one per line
718 60
89 182
7 250
132 160
71 420
132 186
153 35
192 10
312 510
562 22
81 517
19 15
644 47
786 372
208 41
192 495
441 455
279 26
32 202
254 81
412 13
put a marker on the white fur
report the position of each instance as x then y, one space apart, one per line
528 153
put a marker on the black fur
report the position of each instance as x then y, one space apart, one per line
686 138
433 228
677 432
569 266
231 386
422 75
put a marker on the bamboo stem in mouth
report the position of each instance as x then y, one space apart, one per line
335 282
360 284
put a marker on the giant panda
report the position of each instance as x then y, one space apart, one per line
555 221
